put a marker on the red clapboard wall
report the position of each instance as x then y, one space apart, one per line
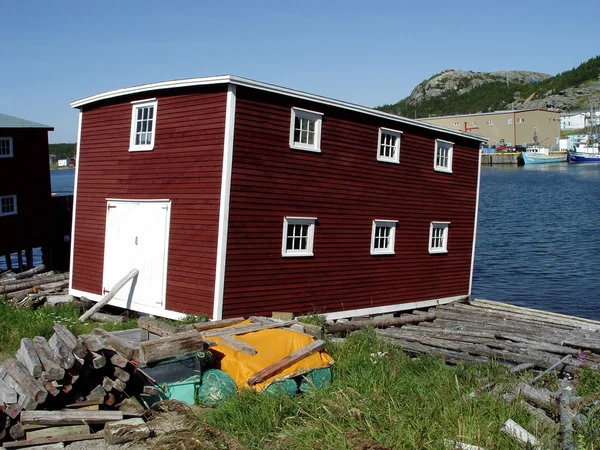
345 188
185 166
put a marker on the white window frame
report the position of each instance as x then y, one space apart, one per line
9 140
395 134
510 121
439 168
439 226
317 117
519 121
490 123
136 105
308 251
389 250
9 213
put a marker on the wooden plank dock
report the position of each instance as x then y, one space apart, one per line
483 330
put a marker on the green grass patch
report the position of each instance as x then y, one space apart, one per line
17 323
380 398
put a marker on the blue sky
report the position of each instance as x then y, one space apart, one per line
365 52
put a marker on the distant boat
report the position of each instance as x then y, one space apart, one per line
541 155
583 152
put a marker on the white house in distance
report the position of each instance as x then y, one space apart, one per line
577 120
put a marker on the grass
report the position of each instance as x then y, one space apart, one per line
17 323
380 398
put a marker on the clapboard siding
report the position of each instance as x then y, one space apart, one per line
346 188
26 175
185 167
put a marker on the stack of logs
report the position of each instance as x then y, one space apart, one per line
35 286
94 372
103 370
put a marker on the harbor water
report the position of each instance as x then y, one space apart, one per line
538 238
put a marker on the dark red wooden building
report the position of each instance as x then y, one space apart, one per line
25 202
235 197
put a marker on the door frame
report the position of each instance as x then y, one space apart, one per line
128 303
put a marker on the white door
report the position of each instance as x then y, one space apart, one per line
137 236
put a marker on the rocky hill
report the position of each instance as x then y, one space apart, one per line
464 92
461 82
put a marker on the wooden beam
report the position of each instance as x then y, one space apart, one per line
122 374
123 347
286 362
50 361
46 441
75 417
238 345
167 347
243 329
27 356
156 326
30 386
205 326
108 297
107 318
7 393
70 341
51 432
67 357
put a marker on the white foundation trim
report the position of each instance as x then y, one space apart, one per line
224 206
155 311
475 224
392 308
78 148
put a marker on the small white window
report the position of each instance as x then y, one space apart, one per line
490 123
6 147
389 145
510 121
305 130
443 156
438 237
143 125
8 205
298 236
383 237
519 120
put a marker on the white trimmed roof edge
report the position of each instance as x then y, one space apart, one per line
240 81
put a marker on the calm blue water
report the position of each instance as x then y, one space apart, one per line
62 181
538 240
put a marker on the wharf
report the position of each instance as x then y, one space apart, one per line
506 158
483 330
500 158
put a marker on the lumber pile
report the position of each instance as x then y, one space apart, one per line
483 331
70 388
35 287
55 388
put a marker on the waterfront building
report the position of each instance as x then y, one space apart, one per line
25 201
235 197
513 127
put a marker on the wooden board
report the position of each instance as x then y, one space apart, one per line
44 441
76 417
284 363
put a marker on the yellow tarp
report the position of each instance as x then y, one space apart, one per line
271 346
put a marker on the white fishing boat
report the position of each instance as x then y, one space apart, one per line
542 155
